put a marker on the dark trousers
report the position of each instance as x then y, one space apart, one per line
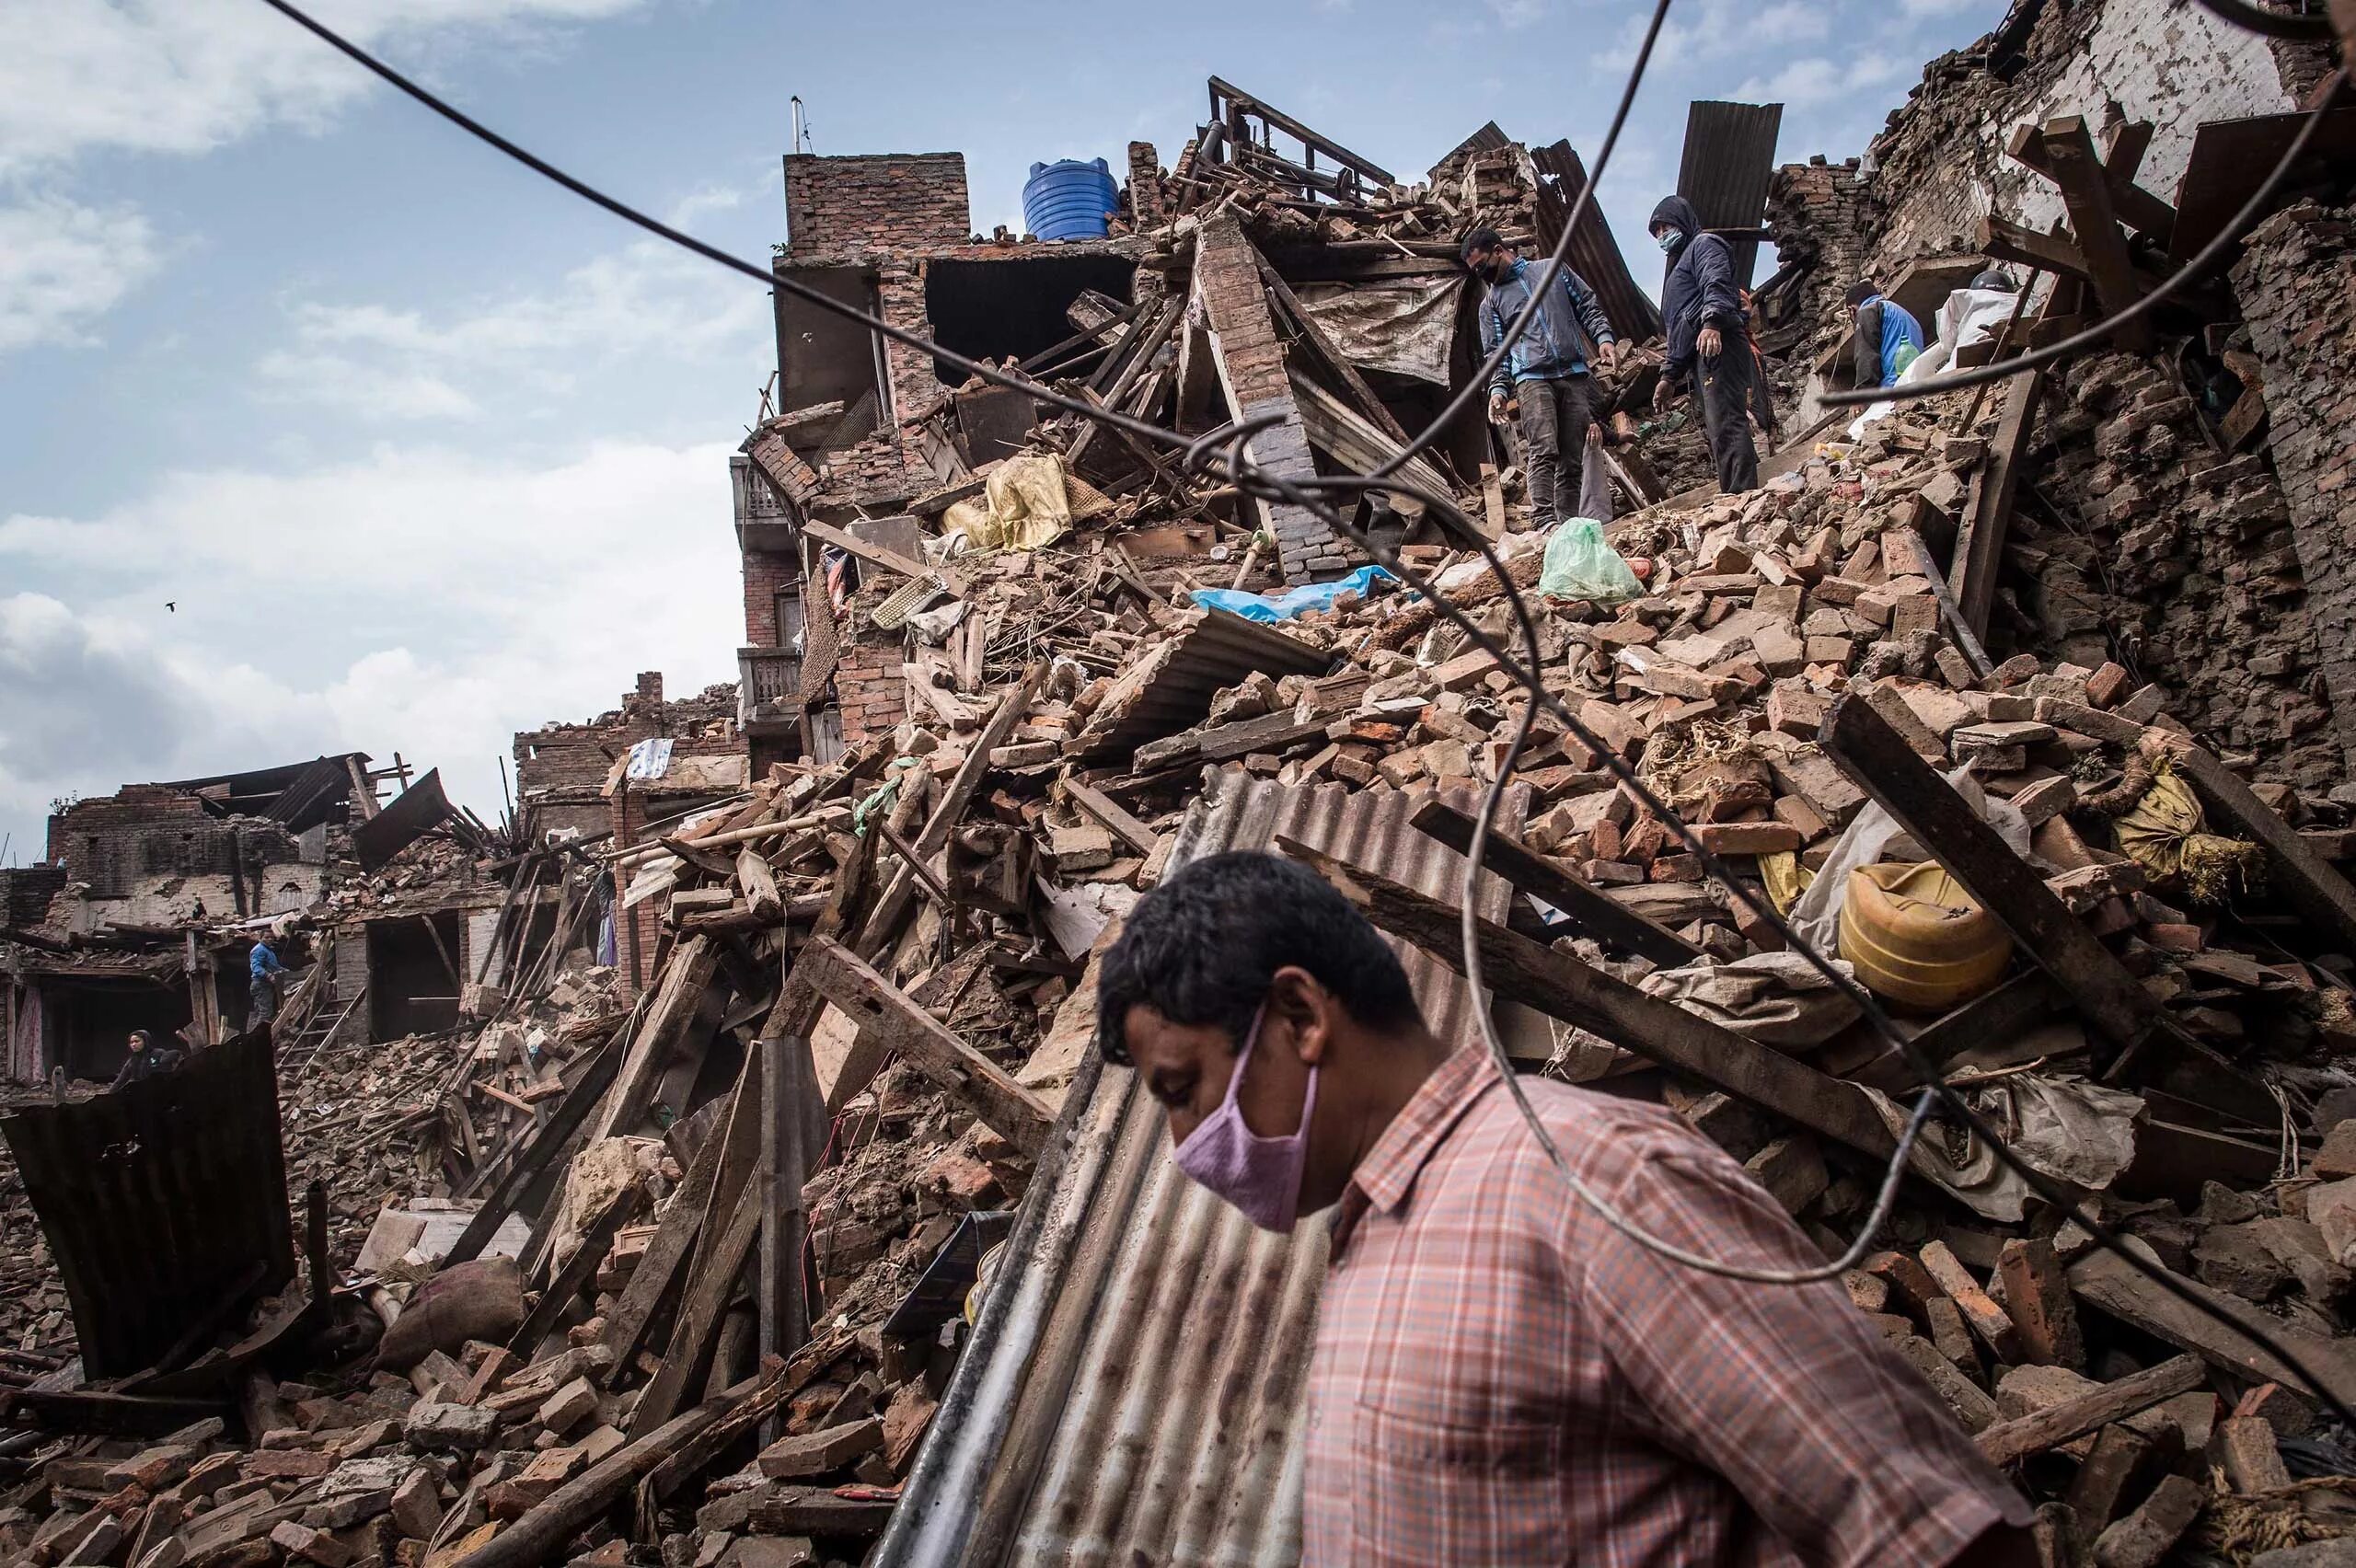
1554 417
1727 388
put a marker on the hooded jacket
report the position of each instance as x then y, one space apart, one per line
1556 342
1699 290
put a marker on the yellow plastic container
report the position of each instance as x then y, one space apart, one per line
1918 938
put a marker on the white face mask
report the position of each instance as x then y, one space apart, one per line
1670 238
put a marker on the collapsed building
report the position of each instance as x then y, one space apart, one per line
771 1205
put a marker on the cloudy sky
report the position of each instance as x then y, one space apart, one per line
323 429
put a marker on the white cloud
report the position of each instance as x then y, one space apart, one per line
188 76
1515 14
1936 7
409 599
1815 79
1707 30
63 265
703 199
647 300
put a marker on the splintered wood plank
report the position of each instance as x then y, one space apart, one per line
1605 917
881 1009
2076 167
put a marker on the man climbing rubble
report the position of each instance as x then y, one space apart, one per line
1888 338
262 970
1709 345
1546 375
1499 1376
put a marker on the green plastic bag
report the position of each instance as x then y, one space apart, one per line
1581 565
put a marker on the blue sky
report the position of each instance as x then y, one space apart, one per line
424 451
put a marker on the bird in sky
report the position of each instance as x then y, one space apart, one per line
173 605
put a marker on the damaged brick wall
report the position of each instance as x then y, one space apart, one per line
146 830
1825 216
2140 542
2297 283
884 202
766 574
872 692
1941 162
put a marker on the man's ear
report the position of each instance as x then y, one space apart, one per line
1308 1011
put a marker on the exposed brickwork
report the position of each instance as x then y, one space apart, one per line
766 573
1149 193
2297 283
1825 216
2178 563
146 830
886 201
872 691
1227 276
25 892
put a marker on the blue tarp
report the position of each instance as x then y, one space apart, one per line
1292 602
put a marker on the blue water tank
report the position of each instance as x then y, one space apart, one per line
1069 200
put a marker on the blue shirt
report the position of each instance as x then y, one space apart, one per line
265 962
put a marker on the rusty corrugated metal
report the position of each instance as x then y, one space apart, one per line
1175 686
159 1197
1594 254
1148 1407
1729 158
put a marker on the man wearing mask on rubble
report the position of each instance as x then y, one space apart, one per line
1500 1377
1709 346
1546 373
1888 338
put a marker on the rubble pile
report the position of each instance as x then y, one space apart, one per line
2011 703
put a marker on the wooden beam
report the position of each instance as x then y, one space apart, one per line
1598 913
668 1250
2085 192
878 555
730 1228
677 999
554 1135
789 1101
1561 987
1119 823
1979 542
2111 1284
565 1287
1164 323
1882 764
2316 889
2136 207
2021 1003
2056 1425
893 1018
2005 240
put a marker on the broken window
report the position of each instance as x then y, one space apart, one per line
826 358
1012 308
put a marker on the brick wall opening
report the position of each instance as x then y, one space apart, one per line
828 359
87 1023
409 992
1015 308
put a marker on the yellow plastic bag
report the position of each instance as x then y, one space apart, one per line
2164 833
1025 506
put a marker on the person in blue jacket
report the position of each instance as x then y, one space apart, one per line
1547 372
261 1000
1709 340
1888 338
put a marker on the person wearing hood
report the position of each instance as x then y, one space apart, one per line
1709 341
1546 373
1888 338
1499 1375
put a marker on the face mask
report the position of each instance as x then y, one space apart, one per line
1670 239
1260 1176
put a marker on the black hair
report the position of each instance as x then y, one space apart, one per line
1861 291
1201 949
1480 239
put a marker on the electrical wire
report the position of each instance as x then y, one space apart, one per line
2229 236
2272 24
1310 492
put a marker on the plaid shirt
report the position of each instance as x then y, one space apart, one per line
1500 1378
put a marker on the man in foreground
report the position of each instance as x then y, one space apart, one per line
1709 343
1499 1377
146 1059
1888 338
1547 372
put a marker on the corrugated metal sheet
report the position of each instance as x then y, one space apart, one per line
159 1197
1594 254
418 808
1729 158
1137 1397
1172 690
